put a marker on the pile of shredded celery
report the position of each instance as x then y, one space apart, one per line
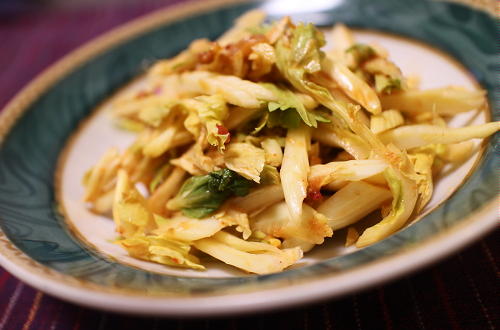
256 147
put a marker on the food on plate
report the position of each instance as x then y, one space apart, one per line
254 148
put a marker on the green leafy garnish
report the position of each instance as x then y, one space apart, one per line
269 175
361 53
209 111
201 195
288 100
386 85
300 57
287 119
291 113
228 181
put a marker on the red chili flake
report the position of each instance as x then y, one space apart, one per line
314 195
176 260
223 131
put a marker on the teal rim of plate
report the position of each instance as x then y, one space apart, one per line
30 151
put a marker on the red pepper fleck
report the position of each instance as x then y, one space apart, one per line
314 195
223 131
176 260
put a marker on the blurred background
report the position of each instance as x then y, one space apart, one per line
8 7
36 33
13 7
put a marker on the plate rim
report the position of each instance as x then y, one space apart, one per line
70 289
92 295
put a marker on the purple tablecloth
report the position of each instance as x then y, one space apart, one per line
461 292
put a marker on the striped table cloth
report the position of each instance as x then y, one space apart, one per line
461 292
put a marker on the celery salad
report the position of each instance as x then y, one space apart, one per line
254 148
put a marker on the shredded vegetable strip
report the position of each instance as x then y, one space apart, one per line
412 136
356 88
158 201
352 203
404 194
351 170
294 170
